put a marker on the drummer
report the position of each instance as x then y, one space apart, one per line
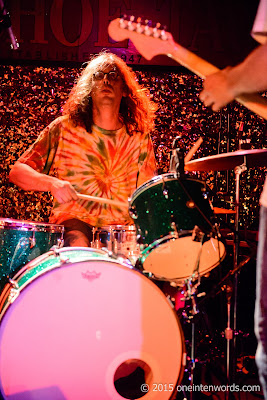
100 146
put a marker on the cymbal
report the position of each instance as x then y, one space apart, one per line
219 210
225 161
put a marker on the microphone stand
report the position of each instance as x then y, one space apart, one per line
6 23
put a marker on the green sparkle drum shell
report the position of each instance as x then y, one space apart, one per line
167 200
22 241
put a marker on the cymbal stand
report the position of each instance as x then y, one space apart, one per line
190 294
230 333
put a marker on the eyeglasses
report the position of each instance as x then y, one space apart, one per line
99 75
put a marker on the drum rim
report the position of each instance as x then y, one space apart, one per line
13 283
26 225
181 336
156 180
179 280
106 228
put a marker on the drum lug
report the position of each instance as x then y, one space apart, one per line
133 212
139 239
63 260
96 244
109 252
198 235
174 233
165 193
14 291
60 242
32 241
205 192
57 253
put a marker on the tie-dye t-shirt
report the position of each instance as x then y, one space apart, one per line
101 163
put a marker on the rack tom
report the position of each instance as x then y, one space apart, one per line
174 220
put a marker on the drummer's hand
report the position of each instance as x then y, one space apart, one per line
217 90
63 191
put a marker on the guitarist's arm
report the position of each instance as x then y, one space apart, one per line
249 76
151 42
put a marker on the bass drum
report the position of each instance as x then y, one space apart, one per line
77 323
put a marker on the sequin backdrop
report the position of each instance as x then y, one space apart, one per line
32 96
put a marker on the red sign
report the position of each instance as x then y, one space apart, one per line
69 31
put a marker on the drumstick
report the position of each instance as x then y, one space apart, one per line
102 200
193 149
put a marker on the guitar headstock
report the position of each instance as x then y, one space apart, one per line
149 40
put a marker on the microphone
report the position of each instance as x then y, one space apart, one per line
6 22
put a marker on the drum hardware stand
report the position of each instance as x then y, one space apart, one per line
191 294
228 145
217 173
95 242
177 158
230 333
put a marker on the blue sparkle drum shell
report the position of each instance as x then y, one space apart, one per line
21 241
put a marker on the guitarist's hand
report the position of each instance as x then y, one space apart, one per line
218 89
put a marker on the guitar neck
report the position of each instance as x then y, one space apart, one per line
191 61
151 42
253 101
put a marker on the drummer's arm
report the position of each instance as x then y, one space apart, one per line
27 178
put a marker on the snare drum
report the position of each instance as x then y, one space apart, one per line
165 211
119 239
77 323
22 241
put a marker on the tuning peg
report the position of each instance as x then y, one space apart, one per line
156 30
147 30
130 23
123 21
139 27
163 34
124 17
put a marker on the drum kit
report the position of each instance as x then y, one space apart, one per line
79 323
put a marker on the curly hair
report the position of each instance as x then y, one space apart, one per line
136 109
